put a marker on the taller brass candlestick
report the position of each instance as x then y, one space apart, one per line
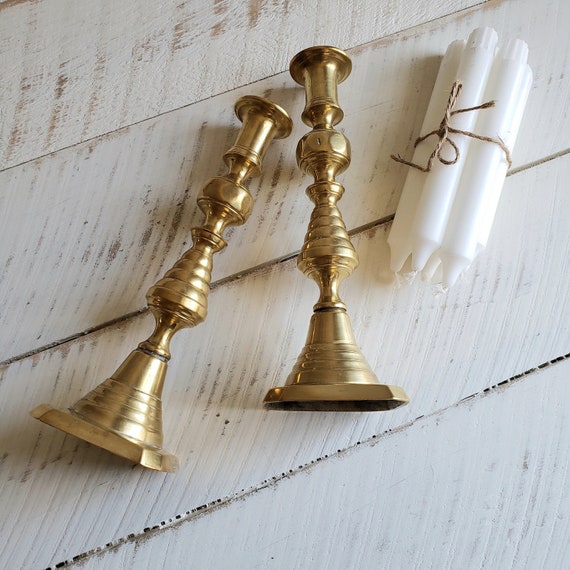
331 373
124 413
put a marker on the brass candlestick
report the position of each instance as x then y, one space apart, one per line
331 373
124 413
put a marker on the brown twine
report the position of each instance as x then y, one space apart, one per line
444 130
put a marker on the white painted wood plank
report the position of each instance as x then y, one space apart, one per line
73 70
85 232
509 314
481 485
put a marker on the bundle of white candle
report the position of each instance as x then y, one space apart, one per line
444 216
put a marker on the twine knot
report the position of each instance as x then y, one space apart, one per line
444 130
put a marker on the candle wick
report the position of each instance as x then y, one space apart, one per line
445 129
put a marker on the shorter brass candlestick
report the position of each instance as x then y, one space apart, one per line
331 373
124 413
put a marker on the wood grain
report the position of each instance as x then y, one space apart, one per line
84 232
112 115
510 314
74 70
500 460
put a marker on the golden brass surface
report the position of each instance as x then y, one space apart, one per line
331 373
124 413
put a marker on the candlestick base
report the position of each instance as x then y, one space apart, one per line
332 375
336 398
137 452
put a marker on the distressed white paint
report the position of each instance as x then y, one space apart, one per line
483 484
61 498
511 314
75 69
86 231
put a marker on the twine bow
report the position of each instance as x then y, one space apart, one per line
444 130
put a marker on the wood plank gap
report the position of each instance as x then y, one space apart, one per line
246 273
370 225
219 283
73 337
5 4
207 508
136 123
10 3
471 8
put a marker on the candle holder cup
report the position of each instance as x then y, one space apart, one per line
331 373
124 413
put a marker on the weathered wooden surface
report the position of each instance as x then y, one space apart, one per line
510 315
85 230
76 69
400 500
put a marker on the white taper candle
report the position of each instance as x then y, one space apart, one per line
510 138
486 164
399 238
440 184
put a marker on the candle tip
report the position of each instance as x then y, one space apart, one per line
455 48
421 251
453 266
433 264
516 49
398 257
483 38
